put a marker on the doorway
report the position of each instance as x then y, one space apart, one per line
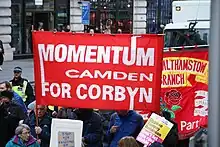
42 19
33 21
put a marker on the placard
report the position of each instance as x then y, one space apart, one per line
155 130
66 133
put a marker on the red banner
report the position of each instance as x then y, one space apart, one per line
101 71
184 89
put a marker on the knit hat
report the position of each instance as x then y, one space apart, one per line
7 94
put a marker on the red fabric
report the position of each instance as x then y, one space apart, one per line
55 72
183 99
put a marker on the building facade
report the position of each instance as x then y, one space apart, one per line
5 27
27 16
104 14
19 17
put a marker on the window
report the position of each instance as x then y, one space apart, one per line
184 37
119 12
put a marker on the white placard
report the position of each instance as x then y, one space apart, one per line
38 2
66 133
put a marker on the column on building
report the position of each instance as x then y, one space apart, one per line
75 16
5 27
139 16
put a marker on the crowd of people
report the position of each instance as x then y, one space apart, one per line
23 123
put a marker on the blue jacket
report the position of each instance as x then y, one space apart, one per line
18 100
129 125
16 142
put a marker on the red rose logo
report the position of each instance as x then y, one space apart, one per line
173 97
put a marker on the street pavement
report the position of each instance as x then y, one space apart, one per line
26 65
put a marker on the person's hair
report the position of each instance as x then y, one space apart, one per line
7 84
128 141
62 114
20 129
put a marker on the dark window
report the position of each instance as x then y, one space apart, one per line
116 13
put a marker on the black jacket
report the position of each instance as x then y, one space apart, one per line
171 139
45 125
1 46
15 114
10 115
3 126
92 128
29 90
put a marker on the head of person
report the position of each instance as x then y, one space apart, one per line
5 86
107 31
23 132
83 114
40 110
17 72
91 31
119 31
68 28
6 96
128 142
122 112
62 114
166 115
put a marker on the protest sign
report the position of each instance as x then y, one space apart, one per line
98 71
184 89
66 133
156 129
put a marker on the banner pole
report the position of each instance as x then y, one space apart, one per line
36 115
214 77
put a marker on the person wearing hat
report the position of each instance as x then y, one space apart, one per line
22 87
10 116
6 86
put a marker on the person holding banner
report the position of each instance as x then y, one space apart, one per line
124 123
43 128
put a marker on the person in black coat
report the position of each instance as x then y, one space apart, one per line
3 125
2 52
171 139
92 127
10 115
